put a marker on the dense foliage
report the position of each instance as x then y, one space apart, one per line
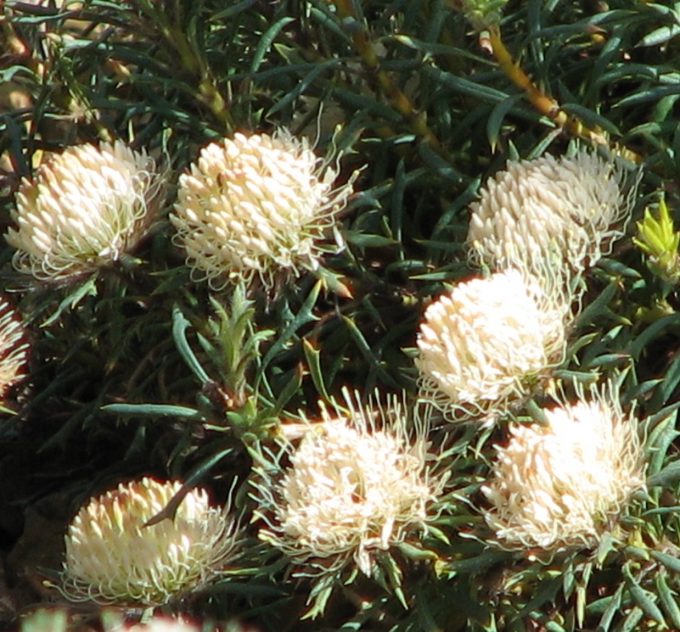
139 369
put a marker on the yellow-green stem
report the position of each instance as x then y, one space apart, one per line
208 92
399 101
544 103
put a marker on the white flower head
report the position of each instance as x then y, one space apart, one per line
113 556
255 206
84 209
487 343
564 484
358 483
553 211
160 623
13 348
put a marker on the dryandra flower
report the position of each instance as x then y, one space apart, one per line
13 349
357 483
84 209
256 205
486 343
550 211
162 624
111 556
563 484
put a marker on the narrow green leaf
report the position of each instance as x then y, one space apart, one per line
416 553
169 511
288 392
179 326
598 306
653 331
304 316
611 610
496 118
591 118
88 288
266 41
313 357
659 36
233 10
669 475
668 600
671 562
367 351
642 597
301 87
630 623
152 410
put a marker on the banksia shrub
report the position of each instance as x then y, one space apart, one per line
488 342
550 211
257 206
565 483
358 483
503 145
113 555
13 349
84 209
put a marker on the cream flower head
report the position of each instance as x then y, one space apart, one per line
564 484
111 556
84 209
551 211
255 206
13 349
358 483
160 624
485 344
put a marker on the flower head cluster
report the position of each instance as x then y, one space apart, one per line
112 554
13 349
85 208
488 341
254 206
550 211
357 483
564 483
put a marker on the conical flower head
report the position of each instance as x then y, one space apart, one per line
551 211
13 349
357 483
563 484
111 556
484 345
84 209
256 206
